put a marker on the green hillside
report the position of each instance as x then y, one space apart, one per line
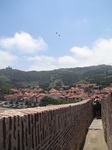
102 75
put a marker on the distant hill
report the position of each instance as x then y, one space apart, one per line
101 74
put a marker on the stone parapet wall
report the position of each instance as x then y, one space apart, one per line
107 119
61 127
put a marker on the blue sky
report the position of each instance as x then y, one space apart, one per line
28 39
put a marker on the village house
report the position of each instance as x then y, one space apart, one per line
72 95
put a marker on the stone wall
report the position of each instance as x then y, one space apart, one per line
61 127
107 119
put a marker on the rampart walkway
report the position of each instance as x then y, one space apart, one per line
95 137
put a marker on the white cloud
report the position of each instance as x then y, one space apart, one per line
81 53
67 61
100 53
23 42
6 59
103 51
42 63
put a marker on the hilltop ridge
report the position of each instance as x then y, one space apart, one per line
9 78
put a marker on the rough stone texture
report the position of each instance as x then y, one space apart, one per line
61 127
107 119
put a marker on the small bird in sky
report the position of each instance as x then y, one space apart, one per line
57 34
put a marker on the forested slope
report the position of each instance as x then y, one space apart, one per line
102 75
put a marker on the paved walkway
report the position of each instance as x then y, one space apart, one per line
95 137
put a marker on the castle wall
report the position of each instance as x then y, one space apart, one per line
61 127
107 119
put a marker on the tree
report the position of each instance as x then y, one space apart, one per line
48 101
